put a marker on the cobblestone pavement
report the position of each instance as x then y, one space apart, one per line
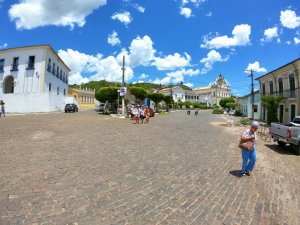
90 169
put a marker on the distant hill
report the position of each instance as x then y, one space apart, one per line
103 83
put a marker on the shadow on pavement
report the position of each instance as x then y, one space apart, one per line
281 150
236 173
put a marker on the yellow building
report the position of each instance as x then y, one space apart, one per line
84 97
285 82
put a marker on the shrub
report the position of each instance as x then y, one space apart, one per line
238 112
218 111
245 121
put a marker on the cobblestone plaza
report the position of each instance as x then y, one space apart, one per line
89 169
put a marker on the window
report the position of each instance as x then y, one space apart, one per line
57 72
57 90
60 76
49 65
53 69
292 86
263 89
280 85
49 87
31 62
1 65
15 64
271 87
64 91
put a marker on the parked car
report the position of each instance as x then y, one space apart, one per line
106 108
231 112
71 107
101 107
287 134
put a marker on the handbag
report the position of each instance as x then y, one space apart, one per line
247 145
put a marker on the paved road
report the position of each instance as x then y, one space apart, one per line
91 169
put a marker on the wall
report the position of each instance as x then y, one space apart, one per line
33 102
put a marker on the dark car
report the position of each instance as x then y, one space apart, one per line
101 107
71 107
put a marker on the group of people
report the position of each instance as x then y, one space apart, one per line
139 114
2 108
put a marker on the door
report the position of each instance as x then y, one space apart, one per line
281 113
293 112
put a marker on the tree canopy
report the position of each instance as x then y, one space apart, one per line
168 99
272 104
156 97
109 94
223 102
139 93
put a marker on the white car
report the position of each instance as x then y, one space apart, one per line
231 112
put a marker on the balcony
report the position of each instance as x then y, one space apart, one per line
287 94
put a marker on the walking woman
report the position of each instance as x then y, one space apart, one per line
249 152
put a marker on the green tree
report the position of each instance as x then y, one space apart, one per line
156 97
109 94
231 105
272 104
168 99
139 93
188 104
223 102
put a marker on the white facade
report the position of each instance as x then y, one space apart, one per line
33 79
209 95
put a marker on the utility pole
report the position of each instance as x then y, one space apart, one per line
252 94
123 84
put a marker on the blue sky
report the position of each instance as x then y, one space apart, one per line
164 41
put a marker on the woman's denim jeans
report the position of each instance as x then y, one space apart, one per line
249 158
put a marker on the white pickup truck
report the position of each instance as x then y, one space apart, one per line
287 134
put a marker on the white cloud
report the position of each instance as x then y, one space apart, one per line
138 82
97 67
123 17
209 14
255 67
241 37
270 34
212 57
143 76
113 39
196 3
141 51
139 8
176 76
189 84
29 14
289 19
172 62
187 12
4 45
76 78
296 40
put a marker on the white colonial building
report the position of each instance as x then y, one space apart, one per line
210 95
33 79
